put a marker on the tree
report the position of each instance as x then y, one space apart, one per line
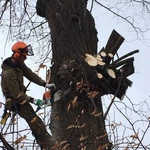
77 120
73 35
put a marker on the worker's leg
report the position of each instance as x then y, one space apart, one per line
35 123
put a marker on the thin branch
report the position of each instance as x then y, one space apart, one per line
6 144
136 28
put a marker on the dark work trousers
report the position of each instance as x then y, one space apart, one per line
35 123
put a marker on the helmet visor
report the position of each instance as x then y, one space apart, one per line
27 51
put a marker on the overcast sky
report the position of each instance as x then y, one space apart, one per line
139 92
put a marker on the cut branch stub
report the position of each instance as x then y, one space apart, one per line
114 42
123 62
128 82
110 55
94 61
101 63
111 73
99 58
91 60
99 75
103 54
125 56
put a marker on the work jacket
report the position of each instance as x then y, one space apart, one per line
12 82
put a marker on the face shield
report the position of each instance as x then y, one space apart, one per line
27 51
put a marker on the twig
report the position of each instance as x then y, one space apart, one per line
6 144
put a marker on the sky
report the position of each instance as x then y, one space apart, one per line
139 93
105 23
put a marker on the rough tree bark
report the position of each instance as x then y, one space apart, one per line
77 119
73 34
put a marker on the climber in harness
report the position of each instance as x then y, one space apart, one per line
13 71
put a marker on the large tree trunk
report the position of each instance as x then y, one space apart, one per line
77 119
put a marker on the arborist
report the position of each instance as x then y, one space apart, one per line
13 71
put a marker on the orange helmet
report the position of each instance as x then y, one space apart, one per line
22 48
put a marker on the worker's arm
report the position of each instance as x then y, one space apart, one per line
31 76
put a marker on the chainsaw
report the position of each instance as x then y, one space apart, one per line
49 97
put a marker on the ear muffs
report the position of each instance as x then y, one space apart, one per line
16 55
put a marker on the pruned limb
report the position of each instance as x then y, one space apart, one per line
91 60
114 42
128 82
111 73
127 70
123 57
123 62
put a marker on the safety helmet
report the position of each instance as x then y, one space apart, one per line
23 49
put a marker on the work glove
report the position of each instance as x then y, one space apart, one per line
38 102
50 85
47 102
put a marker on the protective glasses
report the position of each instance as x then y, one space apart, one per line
27 50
